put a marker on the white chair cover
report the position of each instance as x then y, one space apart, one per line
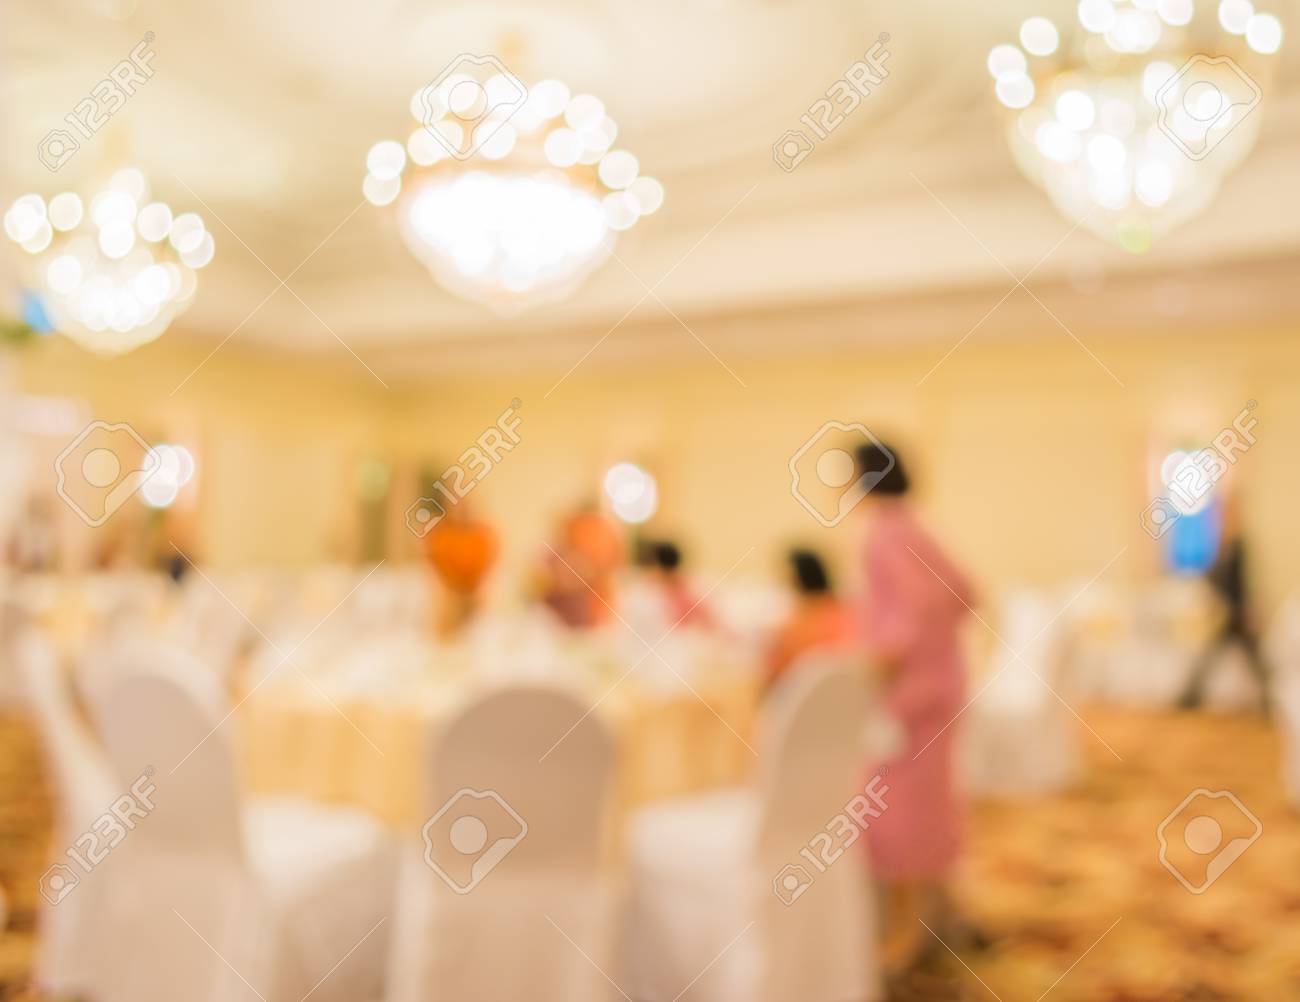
84 789
1019 738
704 909
494 923
1282 641
1282 652
1286 707
234 901
1158 631
204 620
83 779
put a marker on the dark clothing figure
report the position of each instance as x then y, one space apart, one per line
1228 579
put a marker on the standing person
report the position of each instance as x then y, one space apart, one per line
1228 579
915 603
461 549
819 621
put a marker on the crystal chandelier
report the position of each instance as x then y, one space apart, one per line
509 195
112 276
1125 120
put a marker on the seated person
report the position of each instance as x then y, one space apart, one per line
819 620
577 575
681 604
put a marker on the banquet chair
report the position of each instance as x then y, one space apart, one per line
1166 630
725 897
263 898
1281 642
506 897
1286 708
1018 737
204 620
1282 654
84 789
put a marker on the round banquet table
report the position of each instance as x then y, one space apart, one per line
374 752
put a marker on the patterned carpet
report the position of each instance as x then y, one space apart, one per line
25 819
1048 879
1068 889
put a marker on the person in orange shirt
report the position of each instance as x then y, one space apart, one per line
579 571
601 547
819 620
461 551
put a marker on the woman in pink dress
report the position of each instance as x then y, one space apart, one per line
915 603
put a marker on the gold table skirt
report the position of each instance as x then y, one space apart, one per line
376 754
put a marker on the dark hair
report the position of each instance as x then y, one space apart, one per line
668 556
645 552
809 573
883 469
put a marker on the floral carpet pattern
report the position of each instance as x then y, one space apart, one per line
1072 893
1069 890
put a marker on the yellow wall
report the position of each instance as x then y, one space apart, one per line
277 437
1032 461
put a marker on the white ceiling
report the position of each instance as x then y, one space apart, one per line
260 114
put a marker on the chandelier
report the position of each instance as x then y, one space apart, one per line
1124 120
111 276
509 195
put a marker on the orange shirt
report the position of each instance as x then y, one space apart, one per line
816 624
599 546
461 553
